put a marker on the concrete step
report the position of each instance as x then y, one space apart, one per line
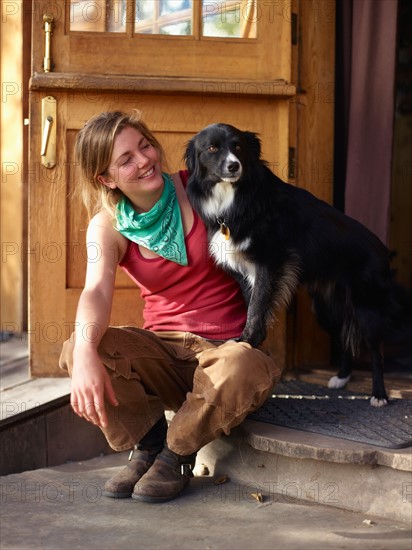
303 466
39 431
38 428
63 507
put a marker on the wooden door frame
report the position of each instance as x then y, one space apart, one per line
312 153
311 111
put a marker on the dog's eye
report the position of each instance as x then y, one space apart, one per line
237 147
212 149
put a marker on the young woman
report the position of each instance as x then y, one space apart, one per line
185 358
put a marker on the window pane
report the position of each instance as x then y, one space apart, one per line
98 16
172 17
177 29
229 18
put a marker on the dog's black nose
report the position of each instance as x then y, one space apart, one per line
233 167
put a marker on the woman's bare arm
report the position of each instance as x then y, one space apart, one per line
90 381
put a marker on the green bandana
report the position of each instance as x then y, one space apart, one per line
160 229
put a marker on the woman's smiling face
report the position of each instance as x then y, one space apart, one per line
135 169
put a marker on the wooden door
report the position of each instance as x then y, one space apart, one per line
108 56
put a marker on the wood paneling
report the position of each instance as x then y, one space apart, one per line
58 221
312 120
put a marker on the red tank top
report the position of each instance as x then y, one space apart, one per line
198 298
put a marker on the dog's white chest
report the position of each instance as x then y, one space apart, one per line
220 200
228 254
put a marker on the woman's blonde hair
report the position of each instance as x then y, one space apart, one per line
94 147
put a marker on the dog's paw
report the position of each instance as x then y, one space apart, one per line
252 337
254 342
244 339
335 382
376 402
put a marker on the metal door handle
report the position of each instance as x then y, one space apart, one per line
49 135
46 134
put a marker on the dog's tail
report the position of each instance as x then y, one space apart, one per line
366 326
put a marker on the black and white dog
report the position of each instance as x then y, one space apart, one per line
272 236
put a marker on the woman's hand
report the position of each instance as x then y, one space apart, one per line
90 385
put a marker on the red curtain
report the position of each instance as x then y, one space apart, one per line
368 57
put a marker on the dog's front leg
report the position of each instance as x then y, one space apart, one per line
243 282
259 309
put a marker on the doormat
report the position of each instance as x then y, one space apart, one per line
338 413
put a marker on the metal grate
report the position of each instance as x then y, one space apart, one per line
338 413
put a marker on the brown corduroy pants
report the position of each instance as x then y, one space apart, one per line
210 385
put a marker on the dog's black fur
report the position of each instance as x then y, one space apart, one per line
272 236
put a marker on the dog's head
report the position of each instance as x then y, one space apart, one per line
221 152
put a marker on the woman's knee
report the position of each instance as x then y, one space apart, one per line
66 355
239 363
106 346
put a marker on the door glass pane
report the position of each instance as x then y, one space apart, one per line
98 16
229 18
172 17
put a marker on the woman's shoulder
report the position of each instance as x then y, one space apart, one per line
101 230
102 219
102 223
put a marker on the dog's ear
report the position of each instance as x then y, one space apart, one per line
253 143
190 156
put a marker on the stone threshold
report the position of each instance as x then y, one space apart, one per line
302 466
293 443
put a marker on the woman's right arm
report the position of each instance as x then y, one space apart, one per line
90 381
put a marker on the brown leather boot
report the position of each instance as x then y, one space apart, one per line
166 479
141 459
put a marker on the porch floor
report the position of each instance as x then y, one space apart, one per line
63 507
317 492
